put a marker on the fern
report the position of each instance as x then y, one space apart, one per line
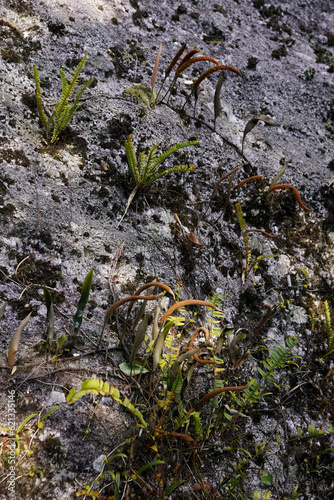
145 170
66 106
104 389
40 105
329 330
277 359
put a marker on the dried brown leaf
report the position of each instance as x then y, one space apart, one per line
156 66
113 308
193 241
14 344
249 179
148 285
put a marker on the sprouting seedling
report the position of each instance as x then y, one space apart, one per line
147 168
253 122
66 106
86 286
279 175
13 346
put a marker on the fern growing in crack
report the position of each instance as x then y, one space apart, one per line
66 106
146 169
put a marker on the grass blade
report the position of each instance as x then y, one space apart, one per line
139 339
86 286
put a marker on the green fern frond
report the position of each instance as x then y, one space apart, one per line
141 164
198 424
40 105
63 111
76 75
241 219
177 168
170 151
330 335
132 159
64 82
146 170
151 158
99 387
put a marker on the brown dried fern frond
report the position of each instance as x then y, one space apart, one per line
188 63
215 393
211 70
149 285
186 303
215 189
188 56
156 67
293 189
175 59
263 232
249 179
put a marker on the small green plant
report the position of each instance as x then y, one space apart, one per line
20 429
167 411
65 107
55 347
146 169
104 389
329 330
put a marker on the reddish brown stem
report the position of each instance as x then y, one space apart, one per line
263 232
249 179
293 189
183 437
215 393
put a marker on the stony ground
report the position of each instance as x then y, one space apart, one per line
60 210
